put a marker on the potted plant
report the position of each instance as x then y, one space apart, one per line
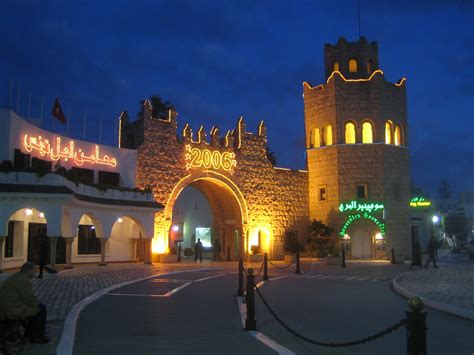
255 255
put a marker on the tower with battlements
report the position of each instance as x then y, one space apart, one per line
357 151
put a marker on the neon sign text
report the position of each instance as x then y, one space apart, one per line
205 158
68 152
365 215
419 202
360 207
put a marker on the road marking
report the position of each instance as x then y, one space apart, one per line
340 277
352 278
209 277
325 277
363 278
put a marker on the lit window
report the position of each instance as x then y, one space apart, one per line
362 191
353 65
398 135
350 133
388 132
311 139
327 135
367 135
335 66
317 138
322 194
370 66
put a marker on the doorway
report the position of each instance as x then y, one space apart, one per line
361 245
35 232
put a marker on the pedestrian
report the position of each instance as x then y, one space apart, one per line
43 251
198 250
216 249
416 258
432 250
18 301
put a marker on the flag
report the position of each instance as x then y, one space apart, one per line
58 112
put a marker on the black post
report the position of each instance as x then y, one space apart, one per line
228 253
392 258
250 322
265 267
343 258
416 328
179 251
240 290
297 262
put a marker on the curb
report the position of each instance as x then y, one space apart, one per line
66 343
462 312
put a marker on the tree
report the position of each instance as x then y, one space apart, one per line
443 190
271 156
160 107
322 240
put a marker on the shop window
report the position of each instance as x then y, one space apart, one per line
367 134
398 135
388 132
9 240
362 191
322 194
327 135
335 66
353 65
350 134
87 243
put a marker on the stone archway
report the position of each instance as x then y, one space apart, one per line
229 209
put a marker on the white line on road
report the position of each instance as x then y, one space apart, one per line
352 278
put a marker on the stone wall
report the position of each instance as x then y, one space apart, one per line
253 195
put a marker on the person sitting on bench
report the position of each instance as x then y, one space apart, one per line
18 301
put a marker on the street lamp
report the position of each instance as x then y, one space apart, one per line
435 219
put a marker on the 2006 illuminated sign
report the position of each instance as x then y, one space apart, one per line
209 159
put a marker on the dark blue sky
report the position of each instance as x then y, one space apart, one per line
217 60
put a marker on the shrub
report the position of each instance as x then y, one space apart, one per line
255 249
322 241
291 243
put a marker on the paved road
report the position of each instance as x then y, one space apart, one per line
326 303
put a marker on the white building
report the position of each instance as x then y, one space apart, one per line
85 222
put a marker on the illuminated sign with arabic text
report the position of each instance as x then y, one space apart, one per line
365 215
361 207
419 202
70 151
205 158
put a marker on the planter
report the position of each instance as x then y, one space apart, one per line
254 258
334 260
168 258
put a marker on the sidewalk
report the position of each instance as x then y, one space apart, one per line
448 288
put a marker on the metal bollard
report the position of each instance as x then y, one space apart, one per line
250 322
240 290
416 327
343 258
392 258
297 262
265 267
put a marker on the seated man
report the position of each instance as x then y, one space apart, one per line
18 301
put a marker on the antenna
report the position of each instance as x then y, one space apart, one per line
358 15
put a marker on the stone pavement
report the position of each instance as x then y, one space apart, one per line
448 288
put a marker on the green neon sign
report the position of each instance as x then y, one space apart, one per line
419 202
361 207
365 215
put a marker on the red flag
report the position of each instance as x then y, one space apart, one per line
58 112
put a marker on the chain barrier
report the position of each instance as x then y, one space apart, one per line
333 345
259 271
282 267
387 254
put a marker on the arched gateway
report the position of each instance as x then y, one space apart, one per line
252 202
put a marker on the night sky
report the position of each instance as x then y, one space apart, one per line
218 60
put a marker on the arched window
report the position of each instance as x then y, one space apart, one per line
370 66
388 132
327 135
311 138
317 138
367 134
398 135
350 133
335 66
353 65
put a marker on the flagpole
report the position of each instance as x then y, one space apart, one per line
11 94
68 134
84 131
41 117
100 131
29 105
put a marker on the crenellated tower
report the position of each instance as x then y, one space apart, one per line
357 150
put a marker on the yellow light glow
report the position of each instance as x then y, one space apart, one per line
367 135
158 245
335 66
397 137
353 65
388 132
241 119
41 215
327 133
317 138
29 212
260 235
260 128
336 72
45 148
350 133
